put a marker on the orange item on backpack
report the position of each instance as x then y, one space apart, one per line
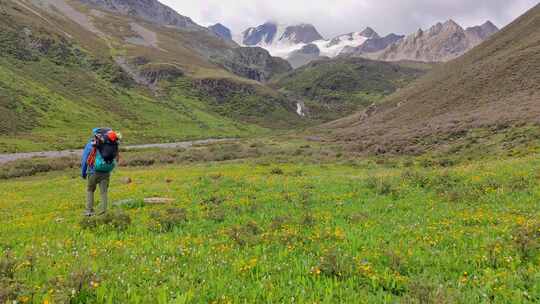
92 158
113 137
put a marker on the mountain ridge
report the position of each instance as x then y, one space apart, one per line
441 42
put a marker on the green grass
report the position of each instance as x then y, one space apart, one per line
250 232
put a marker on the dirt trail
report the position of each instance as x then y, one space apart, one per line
5 158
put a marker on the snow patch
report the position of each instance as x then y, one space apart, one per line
336 45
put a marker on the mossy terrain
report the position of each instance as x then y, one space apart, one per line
351 231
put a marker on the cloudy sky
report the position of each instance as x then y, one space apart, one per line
333 17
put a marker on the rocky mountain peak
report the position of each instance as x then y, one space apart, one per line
221 30
481 32
449 26
264 33
271 33
368 32
301 33
489 25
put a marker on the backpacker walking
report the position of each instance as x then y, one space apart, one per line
99 159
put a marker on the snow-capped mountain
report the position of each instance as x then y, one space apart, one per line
290 41
280 40
302 43
333 47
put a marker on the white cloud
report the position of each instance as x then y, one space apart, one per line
333 17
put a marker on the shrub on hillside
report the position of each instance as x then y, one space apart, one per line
165 221
527 240
10 288
246 234
335 263
380 185
78 287
276 171
118 220
279 221
416 178
216 214
308 220
30 167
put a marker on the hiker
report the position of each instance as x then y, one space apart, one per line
98 161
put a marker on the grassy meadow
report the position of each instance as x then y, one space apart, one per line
257 231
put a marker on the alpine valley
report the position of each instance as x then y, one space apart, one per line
142 67
275 166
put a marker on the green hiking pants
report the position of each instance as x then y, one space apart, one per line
101 179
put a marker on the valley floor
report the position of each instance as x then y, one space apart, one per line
254 232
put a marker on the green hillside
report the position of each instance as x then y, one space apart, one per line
332 88
51 98
49 106
55 86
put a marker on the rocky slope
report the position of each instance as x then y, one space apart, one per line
494 88
253 63
442 42
150 29
149 10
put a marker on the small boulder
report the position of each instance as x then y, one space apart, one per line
158 200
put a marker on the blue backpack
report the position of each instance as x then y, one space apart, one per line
103 166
